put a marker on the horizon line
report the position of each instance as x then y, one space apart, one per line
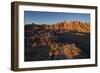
59 22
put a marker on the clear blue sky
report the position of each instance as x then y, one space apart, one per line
53 17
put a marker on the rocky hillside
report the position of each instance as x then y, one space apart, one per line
62 26
63 40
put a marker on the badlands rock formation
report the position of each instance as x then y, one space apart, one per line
63 40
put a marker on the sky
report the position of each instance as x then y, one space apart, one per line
53 17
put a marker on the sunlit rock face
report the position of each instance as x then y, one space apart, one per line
71 51
70 26
68 50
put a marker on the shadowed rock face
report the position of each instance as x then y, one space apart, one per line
63 40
